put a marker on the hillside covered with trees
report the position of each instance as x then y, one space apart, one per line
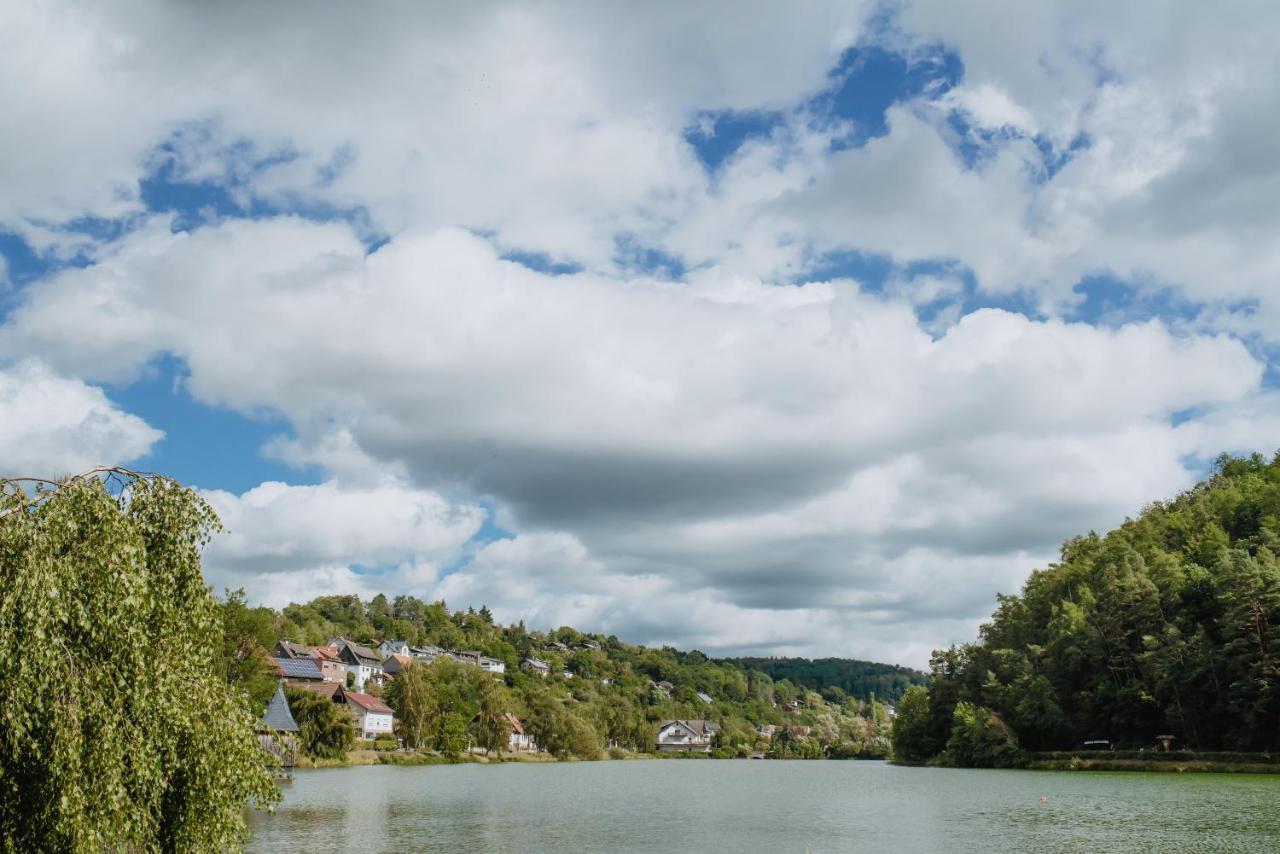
862 679
1168 625
600 692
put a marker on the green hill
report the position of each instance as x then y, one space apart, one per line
1168 625
861 679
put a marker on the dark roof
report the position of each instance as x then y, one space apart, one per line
289 649
298 668
278 717
354 653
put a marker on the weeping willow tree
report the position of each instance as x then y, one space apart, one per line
115 732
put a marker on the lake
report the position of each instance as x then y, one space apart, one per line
744 805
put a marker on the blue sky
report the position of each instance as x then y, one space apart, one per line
565 313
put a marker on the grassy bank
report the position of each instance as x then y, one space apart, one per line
1180 761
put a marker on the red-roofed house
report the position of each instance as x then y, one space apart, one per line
519 741
373 717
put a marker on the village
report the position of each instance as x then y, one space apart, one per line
342 670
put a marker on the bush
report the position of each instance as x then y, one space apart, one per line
980 739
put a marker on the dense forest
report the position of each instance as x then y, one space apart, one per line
862 679
1168 625
610 696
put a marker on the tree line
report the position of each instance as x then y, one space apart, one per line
1167 626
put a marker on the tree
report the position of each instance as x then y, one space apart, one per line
412 695
116 731
326 731
979 739
492 729
913 740
244 662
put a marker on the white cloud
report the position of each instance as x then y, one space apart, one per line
54 425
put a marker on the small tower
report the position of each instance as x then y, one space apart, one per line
275 731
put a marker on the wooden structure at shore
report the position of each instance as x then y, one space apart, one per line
277 732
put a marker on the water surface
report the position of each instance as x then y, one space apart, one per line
674 805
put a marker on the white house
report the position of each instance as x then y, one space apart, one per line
373 717
362 663
492 665
393 647
537 665
519 741
693 736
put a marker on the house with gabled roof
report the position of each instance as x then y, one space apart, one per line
536 665
389 648
395 663
484 662
519 741
372 716
689 735
331 666
361 662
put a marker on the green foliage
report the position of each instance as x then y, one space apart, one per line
865 680
326 730
117 730
248 634
913 736
979 739
1168 625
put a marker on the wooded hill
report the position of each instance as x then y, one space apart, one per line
617 693
1168 625
861 679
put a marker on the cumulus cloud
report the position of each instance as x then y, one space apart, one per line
55 425
281 540
806 468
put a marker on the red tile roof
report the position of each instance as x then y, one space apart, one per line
516 726
367 702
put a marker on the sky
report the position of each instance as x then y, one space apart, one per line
757 328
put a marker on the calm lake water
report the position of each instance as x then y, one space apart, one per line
659 806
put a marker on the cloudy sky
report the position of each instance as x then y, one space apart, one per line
761 328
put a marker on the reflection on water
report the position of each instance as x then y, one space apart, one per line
658 806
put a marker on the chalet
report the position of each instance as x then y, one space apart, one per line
536 665
558 647
296 671
395 663
276 730
393 647
704 697
492 665
362 663
694 736
519 741
373 717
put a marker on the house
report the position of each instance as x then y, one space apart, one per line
373 717
276 730
536 665
664 686
694 736
289 649
567 673
395 663
361 662
558 647
519 741
426 654
328 690
799 731
393 647
590 644
492 665
766 730
704 697
331 667
296 671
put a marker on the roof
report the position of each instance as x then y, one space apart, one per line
537 662
324 689
368 702
298 668
704 696
361 654
516 726
289 649
278 717
697 727
325 652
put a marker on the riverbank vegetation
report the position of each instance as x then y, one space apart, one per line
1167 626
599 692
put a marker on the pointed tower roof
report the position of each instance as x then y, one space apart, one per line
278 717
